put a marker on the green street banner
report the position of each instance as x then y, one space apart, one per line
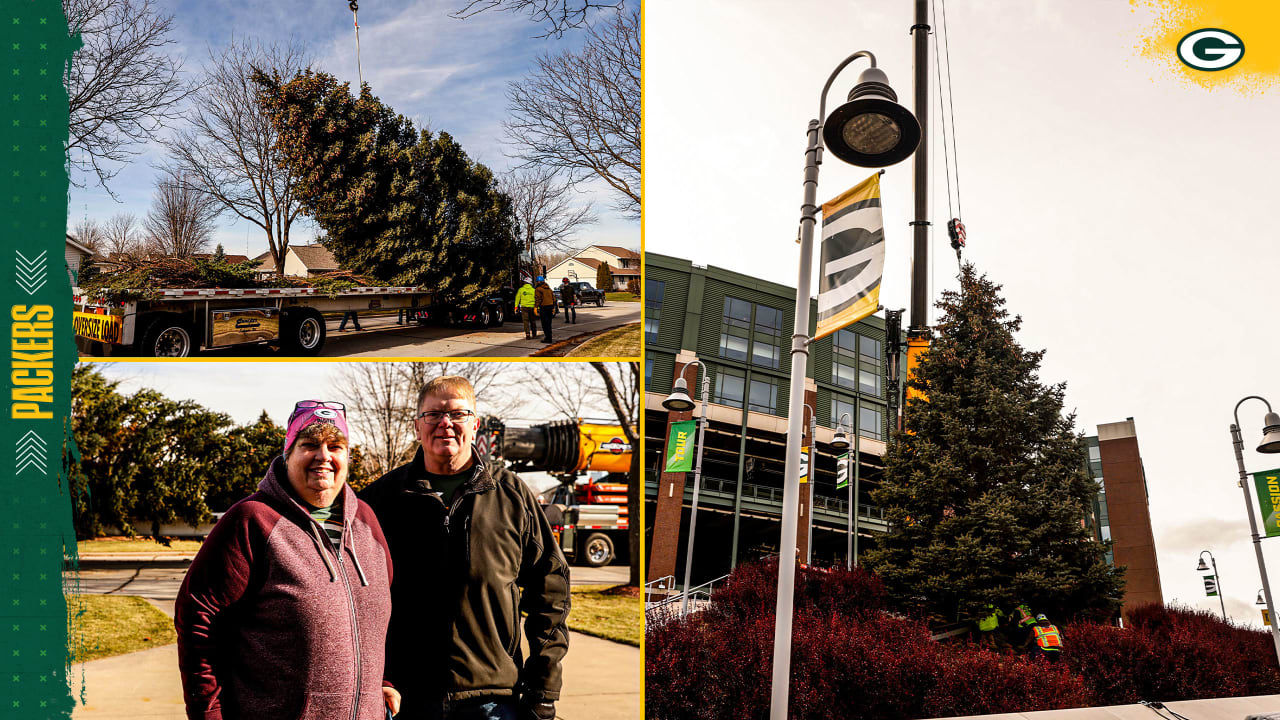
1210 586
1267 483
680 446
842 472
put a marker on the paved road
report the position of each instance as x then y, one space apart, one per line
382 337
601 678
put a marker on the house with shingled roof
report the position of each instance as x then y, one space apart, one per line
623 263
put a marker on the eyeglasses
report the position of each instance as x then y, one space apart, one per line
434 416
303 405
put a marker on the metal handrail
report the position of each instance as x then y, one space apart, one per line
765 493
665 583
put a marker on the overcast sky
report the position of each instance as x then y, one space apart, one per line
442 73
1125 205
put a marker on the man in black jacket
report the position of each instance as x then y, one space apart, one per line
472 550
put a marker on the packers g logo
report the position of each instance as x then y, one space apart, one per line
1210 49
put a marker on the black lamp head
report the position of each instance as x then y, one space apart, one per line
871 129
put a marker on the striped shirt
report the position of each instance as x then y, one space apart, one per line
330 520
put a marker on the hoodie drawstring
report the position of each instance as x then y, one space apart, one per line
351 547
324 555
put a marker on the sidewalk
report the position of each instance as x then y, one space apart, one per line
601 680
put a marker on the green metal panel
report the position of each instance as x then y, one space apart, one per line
663 368
674 300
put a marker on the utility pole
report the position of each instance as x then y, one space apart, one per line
920 173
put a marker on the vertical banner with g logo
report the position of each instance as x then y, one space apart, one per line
1267 483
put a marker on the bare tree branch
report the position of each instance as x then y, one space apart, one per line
122 86
567 387
229 150
180 222
556 16
88 233
622 383
579 112
121 234
544 207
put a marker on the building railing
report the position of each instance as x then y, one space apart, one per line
773 495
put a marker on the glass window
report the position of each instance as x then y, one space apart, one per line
870 349
648 370
1095 453
869 381
737 313
766 350
844 367
653 293
870 421
764 396
729 388
839 408
733 347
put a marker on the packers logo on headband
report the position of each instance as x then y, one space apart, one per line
325 413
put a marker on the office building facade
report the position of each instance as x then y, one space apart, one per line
740 329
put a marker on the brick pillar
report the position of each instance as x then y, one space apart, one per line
806 488
666 547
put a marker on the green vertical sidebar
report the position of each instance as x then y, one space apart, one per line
35 297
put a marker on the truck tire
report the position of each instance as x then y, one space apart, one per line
597 550
497 315
168 336
302 332
600 300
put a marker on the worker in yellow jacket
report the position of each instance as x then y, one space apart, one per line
525 306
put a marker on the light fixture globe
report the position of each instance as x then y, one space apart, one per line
871 129
1202 567
1270 434
1261 600
679 400
840 442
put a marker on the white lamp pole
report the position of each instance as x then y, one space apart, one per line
870 130
1270 444
679 401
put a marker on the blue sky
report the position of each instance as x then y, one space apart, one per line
442 73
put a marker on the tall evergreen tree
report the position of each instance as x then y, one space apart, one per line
604 277
986 489
402 206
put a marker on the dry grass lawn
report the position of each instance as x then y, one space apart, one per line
107 625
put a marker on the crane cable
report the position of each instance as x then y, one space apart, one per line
955 228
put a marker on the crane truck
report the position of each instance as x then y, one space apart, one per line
589 514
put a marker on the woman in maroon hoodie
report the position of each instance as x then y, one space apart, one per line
284 611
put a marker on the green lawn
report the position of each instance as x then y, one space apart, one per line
107 625
135 545
621 297
618 342
607 612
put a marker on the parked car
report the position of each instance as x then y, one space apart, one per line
585 293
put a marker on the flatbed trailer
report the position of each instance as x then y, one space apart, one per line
179 322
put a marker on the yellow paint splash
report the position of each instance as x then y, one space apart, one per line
1255 22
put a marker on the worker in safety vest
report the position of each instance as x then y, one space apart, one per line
1048 639
988 624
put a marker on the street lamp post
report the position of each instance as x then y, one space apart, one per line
813 474
841 442
1217 581
870 130
1270 444
679 401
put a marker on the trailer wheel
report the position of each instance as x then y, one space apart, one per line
597 550
302 332
167 336
600 300
497 316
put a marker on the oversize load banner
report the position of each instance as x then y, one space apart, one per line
680 446
1268 485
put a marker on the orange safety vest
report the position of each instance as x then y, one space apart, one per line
1049 639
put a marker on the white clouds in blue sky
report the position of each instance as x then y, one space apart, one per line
445 74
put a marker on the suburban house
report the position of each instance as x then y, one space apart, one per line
76 256
624 264
299 261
